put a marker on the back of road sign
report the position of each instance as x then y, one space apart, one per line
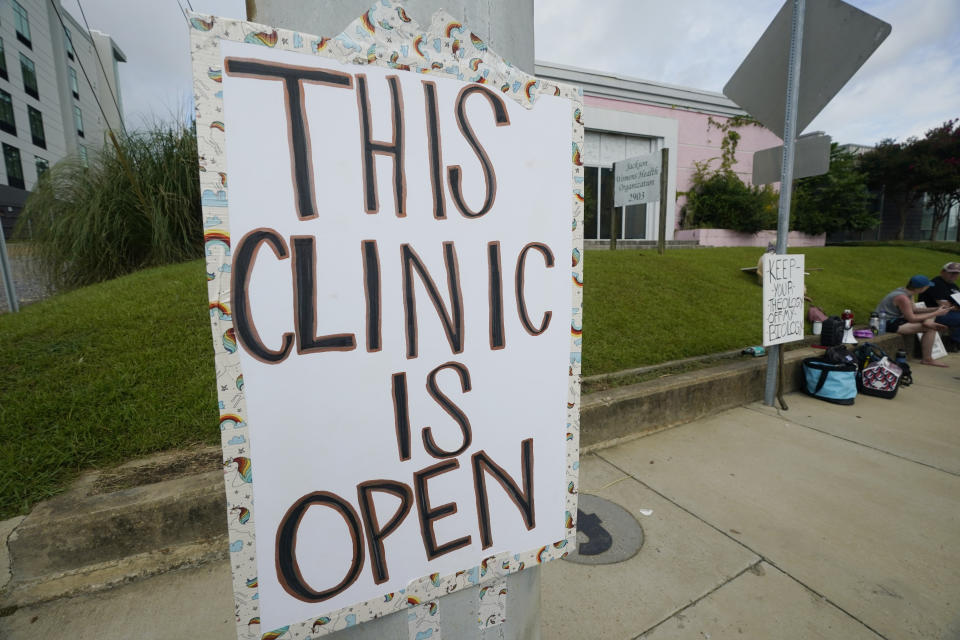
837 39
811 158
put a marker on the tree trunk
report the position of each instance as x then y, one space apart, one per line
902 216
941 210
935 222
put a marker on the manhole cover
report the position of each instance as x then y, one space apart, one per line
606 532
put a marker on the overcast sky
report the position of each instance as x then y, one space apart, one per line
911 84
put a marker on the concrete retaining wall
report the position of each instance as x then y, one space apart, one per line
636 409
729 238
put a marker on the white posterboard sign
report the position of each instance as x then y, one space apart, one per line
396 324
782 298
636 180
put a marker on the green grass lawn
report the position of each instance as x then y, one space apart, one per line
121 369
102 375
641 308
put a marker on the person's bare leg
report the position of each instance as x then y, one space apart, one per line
926 348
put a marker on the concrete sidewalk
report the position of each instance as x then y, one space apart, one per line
822 521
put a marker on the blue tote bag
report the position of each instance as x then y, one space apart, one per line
830 381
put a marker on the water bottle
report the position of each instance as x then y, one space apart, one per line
901 357
875 323
882 323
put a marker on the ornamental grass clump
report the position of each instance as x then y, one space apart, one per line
136 205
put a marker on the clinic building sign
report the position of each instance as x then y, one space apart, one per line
636 180
395 319
783 282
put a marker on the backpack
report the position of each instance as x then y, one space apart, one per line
839 354
907 378
877 375
831 334
867 352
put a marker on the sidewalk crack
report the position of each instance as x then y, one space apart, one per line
791 422
753 566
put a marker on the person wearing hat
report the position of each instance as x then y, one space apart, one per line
903 319
943 291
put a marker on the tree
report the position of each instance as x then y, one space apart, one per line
892 170
835 201
938 161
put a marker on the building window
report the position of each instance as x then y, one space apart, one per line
631 222
11 157
78 120
74 85
600 216
36 127
7 122
82 150
3 62
22 23
42 166
68 42
29 76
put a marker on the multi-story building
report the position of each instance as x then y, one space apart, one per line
53 72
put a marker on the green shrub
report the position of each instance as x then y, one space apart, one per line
130 209
720 200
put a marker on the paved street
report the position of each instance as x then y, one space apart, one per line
822 521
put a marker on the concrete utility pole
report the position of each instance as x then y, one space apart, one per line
507 27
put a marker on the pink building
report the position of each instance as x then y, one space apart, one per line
625 117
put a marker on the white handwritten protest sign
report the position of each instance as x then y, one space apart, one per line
396 325
782 298
636 180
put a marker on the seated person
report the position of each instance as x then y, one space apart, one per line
938 295
902 319
771 248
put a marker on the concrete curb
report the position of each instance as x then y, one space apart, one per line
96 536
72 531
631 411
92 537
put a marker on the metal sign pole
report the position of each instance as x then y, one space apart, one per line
786 173
662 226
14 303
